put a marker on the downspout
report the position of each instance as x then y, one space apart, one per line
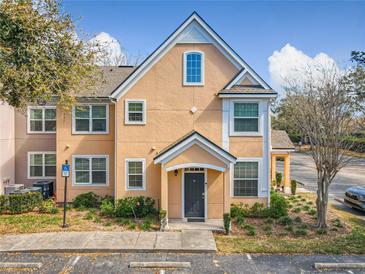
269 151
114 101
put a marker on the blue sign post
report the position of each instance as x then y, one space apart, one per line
66 174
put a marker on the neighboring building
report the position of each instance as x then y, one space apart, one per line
189 127
7 145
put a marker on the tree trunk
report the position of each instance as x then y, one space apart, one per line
322 201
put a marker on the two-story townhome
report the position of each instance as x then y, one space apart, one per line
189 127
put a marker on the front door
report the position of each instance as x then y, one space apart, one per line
194 195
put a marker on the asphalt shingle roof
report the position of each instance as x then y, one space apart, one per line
280 140
244 89
112 77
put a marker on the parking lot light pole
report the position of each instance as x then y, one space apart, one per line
65 174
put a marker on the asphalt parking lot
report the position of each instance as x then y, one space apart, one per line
200 263
303 170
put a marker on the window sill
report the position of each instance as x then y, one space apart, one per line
41 132
248 134
90 133
245 197
90 185
193 84
135 189
41 178
135 123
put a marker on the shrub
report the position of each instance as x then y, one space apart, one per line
109 199
137 207
21 203
300 232
321 231
298 219
87 200
289 228
285 220
3 203
90 215
108 223
279 178
306 207
337 223
227 222
278 205
269 221
97 219
239 209
293 186
309 203
146 225
48 206
297 210
131 225
251 230
240 220
259 210
107 208
312 212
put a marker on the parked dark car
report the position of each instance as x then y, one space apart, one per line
355 197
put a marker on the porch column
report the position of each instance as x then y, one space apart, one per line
273 167
164 189
227 190
287 173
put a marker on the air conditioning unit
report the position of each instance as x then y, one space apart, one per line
11 188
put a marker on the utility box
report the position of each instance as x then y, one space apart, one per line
47 188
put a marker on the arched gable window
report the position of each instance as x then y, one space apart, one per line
193 68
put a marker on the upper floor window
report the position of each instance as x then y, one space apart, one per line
245 118
135 111
193 68
41 119
90 119
245 179
41 165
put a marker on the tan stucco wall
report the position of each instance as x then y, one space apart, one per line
244 146
7 145
175 195
25 143
168 110
195 154
69 144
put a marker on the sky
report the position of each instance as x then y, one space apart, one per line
273 37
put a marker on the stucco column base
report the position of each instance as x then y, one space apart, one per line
287 190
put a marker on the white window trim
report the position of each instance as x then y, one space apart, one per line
201 83
260 176
43 166
74 183
143 160
144 112
29 131
75 132
232 132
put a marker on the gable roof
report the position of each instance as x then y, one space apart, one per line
280 140
189 140
204 31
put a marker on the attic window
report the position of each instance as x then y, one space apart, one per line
193 68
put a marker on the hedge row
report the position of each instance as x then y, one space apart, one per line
20 203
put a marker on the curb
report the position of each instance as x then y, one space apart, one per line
20 265
321 266
160 265
114 250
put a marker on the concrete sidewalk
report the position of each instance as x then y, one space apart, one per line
189 241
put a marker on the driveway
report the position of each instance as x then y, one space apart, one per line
303 170
200 263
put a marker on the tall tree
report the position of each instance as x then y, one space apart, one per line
40 55
324 112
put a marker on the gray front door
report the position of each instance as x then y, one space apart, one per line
194 195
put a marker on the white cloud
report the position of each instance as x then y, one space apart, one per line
288 63
112 53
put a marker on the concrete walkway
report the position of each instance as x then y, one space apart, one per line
191 241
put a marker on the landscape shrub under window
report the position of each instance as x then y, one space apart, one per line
87 200
135 207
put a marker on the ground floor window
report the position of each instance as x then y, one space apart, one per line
41 165
135 173
90 169
245 179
